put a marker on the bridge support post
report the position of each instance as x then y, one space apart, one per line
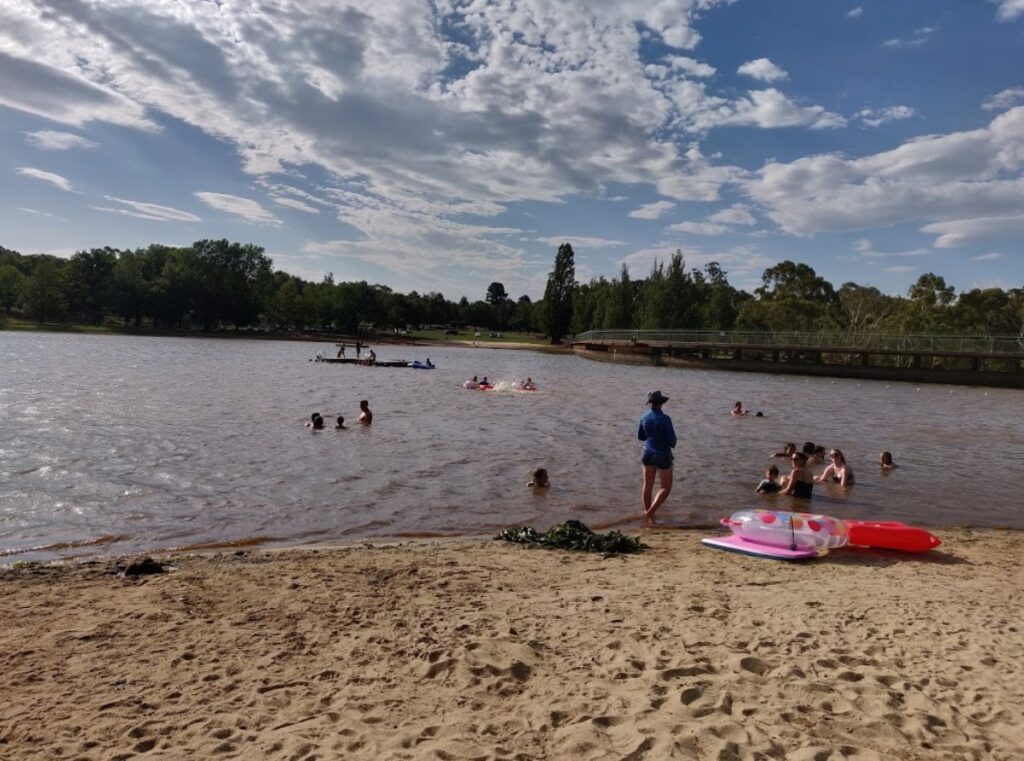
737 354
775 355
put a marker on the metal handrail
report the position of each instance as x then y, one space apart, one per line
852 342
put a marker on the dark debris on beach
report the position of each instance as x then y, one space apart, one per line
575 536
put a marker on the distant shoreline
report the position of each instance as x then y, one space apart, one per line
24 326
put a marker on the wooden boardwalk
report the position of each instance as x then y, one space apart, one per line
970 360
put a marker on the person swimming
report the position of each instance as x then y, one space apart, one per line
341 423
540 479
885 461
315 422
737 410
529 385
788 450
838 470
769 484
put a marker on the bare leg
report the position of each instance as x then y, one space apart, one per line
664 488
649 471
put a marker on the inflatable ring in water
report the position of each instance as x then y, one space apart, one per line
471 384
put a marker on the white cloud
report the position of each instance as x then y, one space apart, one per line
53 92
966 232
902 268
39 213
151 211
915 40
699 228
876 117
935 178
855 12
652 210
771 109
246 208
1009 9
51 140
1012 96
294 203
737 214
989 257
53 179
690 66
763 69
578 240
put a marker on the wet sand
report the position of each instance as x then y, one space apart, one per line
481 650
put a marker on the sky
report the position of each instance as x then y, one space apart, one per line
441 145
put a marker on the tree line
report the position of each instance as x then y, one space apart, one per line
214 284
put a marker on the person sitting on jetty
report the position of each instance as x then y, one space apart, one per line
838 470
885 461
737 410
788 450
799 482
315 422
365 416
769 484
540 479
341 424
371 358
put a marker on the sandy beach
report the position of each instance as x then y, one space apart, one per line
476 649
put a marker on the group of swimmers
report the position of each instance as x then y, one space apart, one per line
484 384
738 411
316 420
799 482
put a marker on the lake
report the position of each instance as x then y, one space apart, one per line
113 444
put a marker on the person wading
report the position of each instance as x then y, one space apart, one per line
659 438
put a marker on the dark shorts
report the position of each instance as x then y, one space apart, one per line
659 461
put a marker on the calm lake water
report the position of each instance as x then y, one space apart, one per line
113 444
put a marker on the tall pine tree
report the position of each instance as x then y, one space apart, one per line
557 310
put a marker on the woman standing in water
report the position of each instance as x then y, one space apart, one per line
799 482
659 438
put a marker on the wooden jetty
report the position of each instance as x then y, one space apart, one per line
968 360
363 362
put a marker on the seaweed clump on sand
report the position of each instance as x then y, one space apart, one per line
573 535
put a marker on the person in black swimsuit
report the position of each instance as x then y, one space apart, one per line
799 482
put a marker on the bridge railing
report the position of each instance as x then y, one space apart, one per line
852 342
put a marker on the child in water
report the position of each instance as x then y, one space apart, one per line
540 479
341 423
885 461
788 450
737 410
315 422
770 484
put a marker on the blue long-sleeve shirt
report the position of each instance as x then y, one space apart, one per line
656 432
